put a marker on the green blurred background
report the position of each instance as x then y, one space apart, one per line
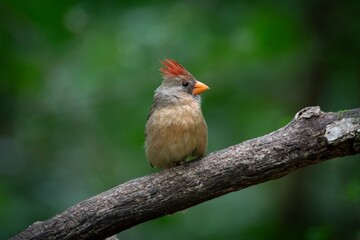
77 80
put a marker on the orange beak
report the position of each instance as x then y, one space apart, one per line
199 87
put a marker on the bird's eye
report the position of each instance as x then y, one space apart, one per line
185 84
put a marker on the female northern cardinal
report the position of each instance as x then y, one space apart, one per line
176 128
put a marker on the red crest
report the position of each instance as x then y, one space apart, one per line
173 69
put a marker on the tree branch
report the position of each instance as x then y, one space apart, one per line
312 136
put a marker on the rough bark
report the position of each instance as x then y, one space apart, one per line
312 136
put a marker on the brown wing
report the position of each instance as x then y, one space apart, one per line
201 138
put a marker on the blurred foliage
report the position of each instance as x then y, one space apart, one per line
76 84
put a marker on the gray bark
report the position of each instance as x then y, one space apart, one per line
312 136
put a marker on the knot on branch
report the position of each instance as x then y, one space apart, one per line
308 112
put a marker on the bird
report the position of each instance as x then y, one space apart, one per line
176 131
